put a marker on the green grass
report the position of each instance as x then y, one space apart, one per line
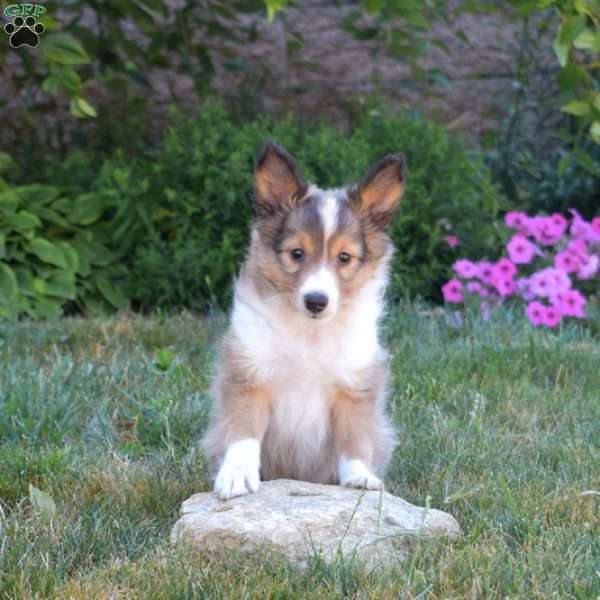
498 424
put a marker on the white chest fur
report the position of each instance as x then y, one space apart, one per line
301 361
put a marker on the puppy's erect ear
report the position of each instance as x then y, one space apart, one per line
278 185
379 191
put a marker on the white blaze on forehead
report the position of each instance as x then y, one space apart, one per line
328 211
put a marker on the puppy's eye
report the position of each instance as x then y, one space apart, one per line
344 258
297 254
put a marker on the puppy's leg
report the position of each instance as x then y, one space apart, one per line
355 430
236 436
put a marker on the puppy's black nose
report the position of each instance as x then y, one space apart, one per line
315 302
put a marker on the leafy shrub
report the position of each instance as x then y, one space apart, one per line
169 228
49 258
541 183
185 207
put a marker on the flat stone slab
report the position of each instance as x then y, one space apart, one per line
301 519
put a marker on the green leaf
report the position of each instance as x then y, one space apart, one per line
45 308
37 194
47 252
588 40
6 163
81 108
164 359
63 49
372 6
70 255
86 209
23 220
577 107
112 293
273 7
595 132
60 285
568 31
67 78
42 503
9 201
2 245
51 86
8 282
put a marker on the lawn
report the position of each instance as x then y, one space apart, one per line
499 424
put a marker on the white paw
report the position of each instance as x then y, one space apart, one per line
239 473
354 473
368 482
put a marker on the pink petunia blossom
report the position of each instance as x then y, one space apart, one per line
477 289
504 269
571 304
535 312
465 268
552 317
520 250
596 228
589 267
504 286
453 291
548 230
567 261
562 281
516 220
485 271
524 288
579 248
580 228
543 284
452 240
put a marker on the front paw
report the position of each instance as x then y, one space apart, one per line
354 473
236 481
364 482
239 473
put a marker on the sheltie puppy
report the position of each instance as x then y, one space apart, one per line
301 381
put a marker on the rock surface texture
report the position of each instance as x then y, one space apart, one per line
302 519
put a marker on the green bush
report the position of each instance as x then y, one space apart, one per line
187 203
49 256
169 228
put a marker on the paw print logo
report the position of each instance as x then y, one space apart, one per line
24 32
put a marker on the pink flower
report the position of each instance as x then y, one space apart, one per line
536 313
505 286
562 281
485 271
548 230
589 267
452 240
580 228
465 268
596 228
516 220
552 316
520 250
572 304
559 222
453 291
524 288
567 261
542 283
578 247
504 269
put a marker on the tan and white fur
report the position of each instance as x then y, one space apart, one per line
301 382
